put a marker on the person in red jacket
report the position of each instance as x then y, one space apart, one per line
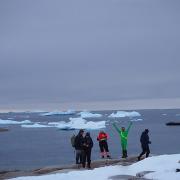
102 138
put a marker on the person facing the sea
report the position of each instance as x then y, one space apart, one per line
78 145
103 145
123 133
144 144
87 146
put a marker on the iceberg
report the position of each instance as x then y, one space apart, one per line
69 112
161 167
136 120
14 122
35 125
122 114
78 123
86 114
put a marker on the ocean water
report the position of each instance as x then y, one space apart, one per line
31 148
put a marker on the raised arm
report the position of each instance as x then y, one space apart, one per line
117 129
130 124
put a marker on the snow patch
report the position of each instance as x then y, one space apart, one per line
122 114
164 168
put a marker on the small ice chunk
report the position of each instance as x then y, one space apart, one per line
87 114
122 114
14 122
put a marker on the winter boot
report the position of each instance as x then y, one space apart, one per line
89 166
123 154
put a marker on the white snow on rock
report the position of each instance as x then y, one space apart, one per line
164 168
78 123
122 114
14 122
87 114
69 112
35 125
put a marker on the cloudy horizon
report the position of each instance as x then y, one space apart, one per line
75 53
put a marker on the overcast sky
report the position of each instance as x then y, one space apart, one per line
64 51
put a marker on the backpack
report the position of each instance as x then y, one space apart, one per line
73 141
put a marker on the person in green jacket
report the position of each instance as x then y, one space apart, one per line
123 134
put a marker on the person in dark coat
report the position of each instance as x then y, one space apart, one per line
144 144
78 144
88 144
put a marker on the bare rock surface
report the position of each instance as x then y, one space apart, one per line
68 168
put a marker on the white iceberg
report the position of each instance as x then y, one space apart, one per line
69 112
14 122
136 120
122 114
35 125
78 123
87 114
160 167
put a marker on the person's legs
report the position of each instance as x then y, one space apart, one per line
84 156
147 152
143 152
89 158
123 145
101 146
106 149
78 156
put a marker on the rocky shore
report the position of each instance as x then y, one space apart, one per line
64 169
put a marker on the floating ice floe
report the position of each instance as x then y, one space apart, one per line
35 125
87 114
78 123
14 122
135 120
69 112
158 167
122 114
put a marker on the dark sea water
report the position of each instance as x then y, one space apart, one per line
30 148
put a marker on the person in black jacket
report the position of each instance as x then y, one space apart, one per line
88 144
144 144
78 144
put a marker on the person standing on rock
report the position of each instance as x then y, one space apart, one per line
123 133
78 145
87 146
144 144
103 145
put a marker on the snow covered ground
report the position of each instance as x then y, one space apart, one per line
162 168
122 114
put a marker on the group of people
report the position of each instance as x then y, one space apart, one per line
83 144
